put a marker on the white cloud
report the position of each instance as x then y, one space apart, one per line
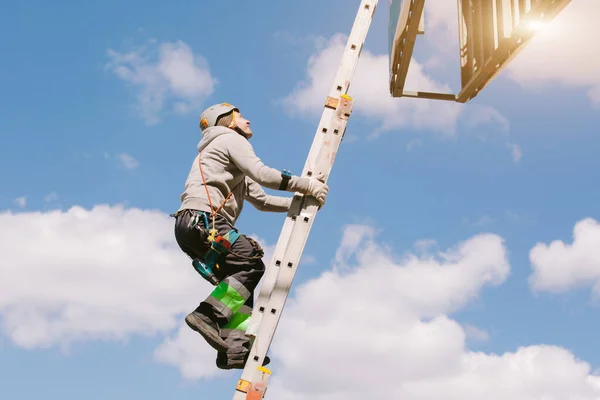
384 324
370 88
99 274
429 284
128 161
108 273
559 266
187 352
21 201
441 37
353 236
177 75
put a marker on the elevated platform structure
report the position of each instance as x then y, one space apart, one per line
491 34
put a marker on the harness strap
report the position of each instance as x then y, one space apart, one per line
213 211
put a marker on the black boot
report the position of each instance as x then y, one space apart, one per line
208 329
225 361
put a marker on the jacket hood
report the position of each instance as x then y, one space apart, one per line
211 133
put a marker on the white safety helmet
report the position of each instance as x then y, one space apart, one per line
210 116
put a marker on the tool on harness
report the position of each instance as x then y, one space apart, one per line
219 247
205 271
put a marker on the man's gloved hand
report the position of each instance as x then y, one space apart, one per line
317 188
314 186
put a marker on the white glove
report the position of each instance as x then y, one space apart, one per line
317 188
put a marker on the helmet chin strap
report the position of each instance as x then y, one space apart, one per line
236 128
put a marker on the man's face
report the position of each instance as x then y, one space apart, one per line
243 124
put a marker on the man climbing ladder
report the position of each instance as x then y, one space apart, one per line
224 174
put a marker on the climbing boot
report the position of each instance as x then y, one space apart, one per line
208 329
231 361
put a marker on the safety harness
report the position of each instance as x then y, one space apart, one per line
220 245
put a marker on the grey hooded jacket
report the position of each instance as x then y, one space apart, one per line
229 165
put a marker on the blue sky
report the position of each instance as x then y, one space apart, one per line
99 127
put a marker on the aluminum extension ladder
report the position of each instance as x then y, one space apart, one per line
281 271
